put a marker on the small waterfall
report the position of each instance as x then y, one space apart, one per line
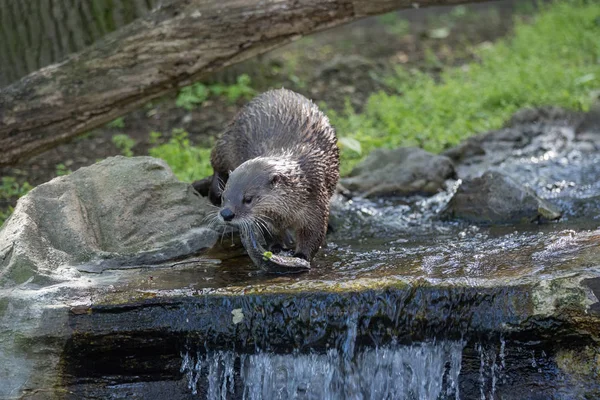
421 371
492 368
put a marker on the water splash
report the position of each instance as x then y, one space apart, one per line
421 371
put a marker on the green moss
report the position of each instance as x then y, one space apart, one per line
579 363
555 60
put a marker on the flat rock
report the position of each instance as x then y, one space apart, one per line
121 211
496 198
400 172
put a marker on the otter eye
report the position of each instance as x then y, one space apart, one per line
247 199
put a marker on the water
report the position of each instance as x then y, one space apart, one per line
421 371
491 369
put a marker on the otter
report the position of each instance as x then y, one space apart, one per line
276 167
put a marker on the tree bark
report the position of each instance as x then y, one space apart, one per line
171 47
36 33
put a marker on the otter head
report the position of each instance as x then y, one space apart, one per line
251 188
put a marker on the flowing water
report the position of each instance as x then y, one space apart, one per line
421 371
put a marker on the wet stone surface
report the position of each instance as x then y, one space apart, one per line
400 172
496 198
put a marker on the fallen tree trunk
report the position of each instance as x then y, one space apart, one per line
173 46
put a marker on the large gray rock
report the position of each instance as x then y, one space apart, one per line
400 172
121 211
497 198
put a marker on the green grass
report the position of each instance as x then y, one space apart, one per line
555 60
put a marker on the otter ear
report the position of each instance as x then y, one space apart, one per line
276 179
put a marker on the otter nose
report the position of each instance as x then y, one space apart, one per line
227 214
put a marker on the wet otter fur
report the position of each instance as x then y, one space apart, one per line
276 167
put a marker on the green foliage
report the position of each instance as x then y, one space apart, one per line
240 90
194 95
188 162
10 190
394 23
117 123
553 61
124 143
61 169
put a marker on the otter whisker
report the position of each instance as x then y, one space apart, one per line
259 232
213 215
263 226
265 220
221 184
244 228
215 221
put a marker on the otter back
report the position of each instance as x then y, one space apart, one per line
278 123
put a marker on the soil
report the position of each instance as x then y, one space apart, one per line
347 62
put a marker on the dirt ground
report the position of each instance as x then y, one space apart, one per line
345 62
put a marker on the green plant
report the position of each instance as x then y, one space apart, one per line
188 162
194 95
10 191
124 143
240 90
117 123
552 61
61 169
394 23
